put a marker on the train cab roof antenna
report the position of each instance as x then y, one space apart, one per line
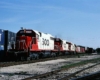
56 36
22 28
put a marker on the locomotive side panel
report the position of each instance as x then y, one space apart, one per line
69 46
83 49
73 47
45 42
64 45
78 49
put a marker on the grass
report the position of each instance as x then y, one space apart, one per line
81 63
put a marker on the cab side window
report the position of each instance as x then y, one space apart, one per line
33 40
37 37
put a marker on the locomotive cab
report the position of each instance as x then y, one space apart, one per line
25 40
58 44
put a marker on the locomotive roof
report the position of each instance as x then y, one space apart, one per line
68 42
37 32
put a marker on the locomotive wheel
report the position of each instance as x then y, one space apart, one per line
53 54
58 53
22 58
28 58
41 55
37 58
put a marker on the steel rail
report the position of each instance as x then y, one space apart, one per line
56 71
73 74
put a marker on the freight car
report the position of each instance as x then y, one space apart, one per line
1 53
5 40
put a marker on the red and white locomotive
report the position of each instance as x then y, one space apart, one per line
32 44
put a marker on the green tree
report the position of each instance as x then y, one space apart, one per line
98 50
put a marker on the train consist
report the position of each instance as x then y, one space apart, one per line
28 44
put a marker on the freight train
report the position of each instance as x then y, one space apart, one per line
28 44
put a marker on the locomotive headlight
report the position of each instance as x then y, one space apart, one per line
24 30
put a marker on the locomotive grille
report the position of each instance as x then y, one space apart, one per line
21 44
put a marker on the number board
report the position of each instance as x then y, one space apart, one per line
45 42
26 31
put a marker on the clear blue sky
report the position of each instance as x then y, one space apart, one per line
77 21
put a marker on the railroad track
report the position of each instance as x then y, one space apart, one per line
11 63
55 74
93 76
74 74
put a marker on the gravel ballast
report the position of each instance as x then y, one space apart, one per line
19 72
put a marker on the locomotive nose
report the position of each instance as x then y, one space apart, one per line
21 43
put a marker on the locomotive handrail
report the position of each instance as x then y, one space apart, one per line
56 47
23 42
30 45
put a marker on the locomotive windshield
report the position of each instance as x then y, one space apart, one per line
26 33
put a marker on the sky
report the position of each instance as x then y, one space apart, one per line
77 21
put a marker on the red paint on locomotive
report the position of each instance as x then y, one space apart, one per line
26 41
58 44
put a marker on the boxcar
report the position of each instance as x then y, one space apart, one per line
5 40
1 52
